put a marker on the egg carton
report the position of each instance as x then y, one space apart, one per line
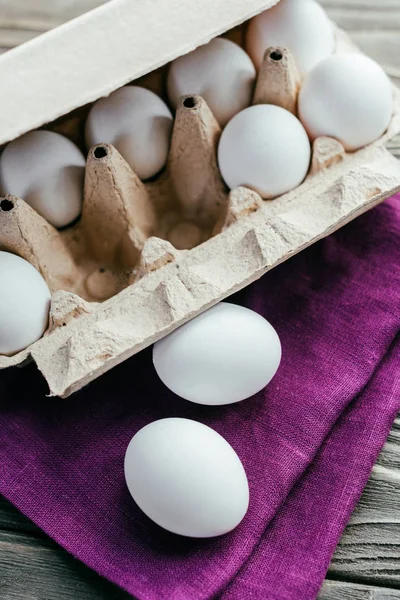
146 257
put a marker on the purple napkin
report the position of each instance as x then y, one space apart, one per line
307 442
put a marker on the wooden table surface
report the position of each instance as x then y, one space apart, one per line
366 565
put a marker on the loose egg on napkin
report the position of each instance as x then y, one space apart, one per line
221 72
46 170
302 26
224 355
24 304
138 123
186 478
348 97
265 148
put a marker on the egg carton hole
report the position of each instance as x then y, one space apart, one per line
276 55
6 205
190 102
100 152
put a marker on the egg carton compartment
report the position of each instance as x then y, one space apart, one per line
144 258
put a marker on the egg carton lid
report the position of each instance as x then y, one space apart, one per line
104 49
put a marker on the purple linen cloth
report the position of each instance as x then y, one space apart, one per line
307 442
293 555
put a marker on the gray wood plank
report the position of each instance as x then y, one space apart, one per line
42 14
369 550
33 567
22 20
12 520
336 590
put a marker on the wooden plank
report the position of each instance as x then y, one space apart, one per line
42 14
369 550
32 567
336 590
12 520
23 20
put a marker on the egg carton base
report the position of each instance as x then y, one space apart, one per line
171 286
97 338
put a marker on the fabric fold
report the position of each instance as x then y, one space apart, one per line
336 309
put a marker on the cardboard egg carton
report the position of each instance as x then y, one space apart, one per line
146 257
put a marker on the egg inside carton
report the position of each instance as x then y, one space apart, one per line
127 227
146 257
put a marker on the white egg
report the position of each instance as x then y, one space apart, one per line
348 97
221 72
24 304
265 148
302 26
46 170
224 355
186 478
137 123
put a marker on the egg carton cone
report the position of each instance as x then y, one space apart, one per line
144 258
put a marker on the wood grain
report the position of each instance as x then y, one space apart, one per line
369 550
366 565
336 590
33 567
23 19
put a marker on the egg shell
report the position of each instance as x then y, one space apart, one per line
24 304
186 478
220 71
266 148
46 170
348 97
223 356
137 123
302 26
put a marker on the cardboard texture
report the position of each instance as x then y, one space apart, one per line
146 257
278 81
